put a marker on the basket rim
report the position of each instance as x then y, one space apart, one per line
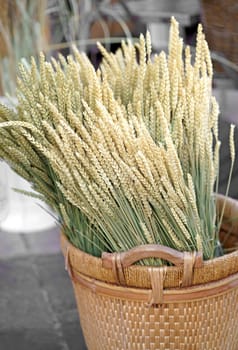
66 244
82 263
139 276
170 295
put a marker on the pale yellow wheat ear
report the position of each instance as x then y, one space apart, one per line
128 154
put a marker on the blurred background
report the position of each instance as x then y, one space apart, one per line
30 26
37 307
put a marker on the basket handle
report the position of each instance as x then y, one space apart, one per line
133 255
119 261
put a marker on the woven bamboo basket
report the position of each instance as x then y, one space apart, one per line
191 305
220 20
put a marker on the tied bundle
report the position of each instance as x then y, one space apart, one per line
127 154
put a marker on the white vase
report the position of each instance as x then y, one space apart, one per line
20 213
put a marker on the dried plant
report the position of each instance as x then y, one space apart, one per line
125 155
23 33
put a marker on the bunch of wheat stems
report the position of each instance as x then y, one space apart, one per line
23 32
125 155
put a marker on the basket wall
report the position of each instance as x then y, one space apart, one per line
110 323
202 316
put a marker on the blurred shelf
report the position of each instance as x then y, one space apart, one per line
186 12
227 98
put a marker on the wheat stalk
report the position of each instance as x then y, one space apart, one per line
127 154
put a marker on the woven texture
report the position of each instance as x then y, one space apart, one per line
117 324
220 19
203 316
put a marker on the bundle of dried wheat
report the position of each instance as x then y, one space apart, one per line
126 155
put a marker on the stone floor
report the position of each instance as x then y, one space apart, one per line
37 307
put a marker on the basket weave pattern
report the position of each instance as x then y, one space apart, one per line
117 324
153 310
